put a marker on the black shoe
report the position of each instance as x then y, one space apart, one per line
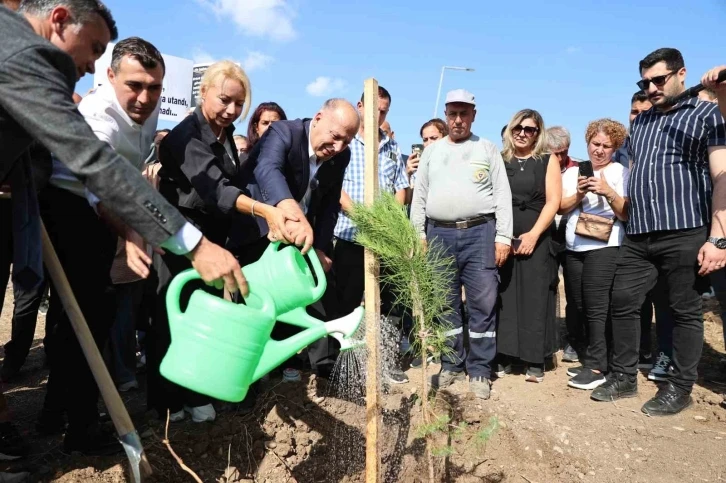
587 380
12 445
397 376
617 385
50 423
645 362
574 371
9 371
501 370
570 354
668 400
92 442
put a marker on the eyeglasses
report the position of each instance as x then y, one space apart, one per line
529 131
658 80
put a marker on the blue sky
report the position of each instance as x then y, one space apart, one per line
574 61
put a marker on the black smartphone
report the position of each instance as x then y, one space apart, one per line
417 148
586 169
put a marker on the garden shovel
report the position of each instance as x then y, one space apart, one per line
127 433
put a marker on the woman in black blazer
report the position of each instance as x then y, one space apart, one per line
200 176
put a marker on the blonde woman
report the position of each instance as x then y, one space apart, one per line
200 175
527 330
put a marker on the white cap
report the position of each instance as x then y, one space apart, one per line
460 95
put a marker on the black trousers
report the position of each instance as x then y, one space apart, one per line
671 255
85 247
589 277
349 268
6 246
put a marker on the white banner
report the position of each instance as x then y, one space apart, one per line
176 97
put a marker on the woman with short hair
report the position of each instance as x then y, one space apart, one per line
597 211
201 176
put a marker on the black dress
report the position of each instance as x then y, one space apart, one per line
527 325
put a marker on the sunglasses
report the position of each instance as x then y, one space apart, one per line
529 131
658 80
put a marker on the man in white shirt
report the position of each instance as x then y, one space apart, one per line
124 114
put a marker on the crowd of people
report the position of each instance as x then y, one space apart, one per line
638 224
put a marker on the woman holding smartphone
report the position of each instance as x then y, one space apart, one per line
594 197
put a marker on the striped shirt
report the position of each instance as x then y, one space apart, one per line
670 182
391 177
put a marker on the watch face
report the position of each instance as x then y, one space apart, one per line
721 243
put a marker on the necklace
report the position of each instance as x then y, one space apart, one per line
522 163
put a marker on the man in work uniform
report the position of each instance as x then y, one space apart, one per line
463 202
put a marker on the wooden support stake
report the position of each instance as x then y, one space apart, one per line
372 289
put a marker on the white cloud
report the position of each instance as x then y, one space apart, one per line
325 86
257 18
573 50
201 56
256 61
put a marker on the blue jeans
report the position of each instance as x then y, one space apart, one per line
473 252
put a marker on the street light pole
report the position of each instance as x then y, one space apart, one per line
441 82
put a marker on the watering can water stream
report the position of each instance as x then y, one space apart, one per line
219 348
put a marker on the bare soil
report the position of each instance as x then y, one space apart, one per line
301 432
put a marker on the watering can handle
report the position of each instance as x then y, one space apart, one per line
319 289
173 293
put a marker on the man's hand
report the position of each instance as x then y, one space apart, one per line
300 232
276 219
710 259
709 80
218 267
501 253
324 260
412 164
136 257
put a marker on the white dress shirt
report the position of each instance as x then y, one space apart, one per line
133 141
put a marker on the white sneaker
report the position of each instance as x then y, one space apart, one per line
127 386
177 416
202 414
661 369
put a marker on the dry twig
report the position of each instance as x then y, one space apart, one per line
176 457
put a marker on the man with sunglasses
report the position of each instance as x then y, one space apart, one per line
678 156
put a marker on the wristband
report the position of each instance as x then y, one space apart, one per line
253 207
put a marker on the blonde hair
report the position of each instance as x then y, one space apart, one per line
612 129
540 146
226 69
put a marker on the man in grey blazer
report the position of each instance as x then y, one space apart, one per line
46 48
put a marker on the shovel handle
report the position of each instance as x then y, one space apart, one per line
114 404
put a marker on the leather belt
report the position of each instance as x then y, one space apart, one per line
463 224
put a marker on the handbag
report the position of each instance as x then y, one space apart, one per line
594 226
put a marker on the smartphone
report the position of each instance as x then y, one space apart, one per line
417 148
586 169
516 242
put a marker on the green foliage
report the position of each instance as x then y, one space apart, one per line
484 435
417 276
440 424
442 452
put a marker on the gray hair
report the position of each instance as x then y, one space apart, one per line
82 11
558 138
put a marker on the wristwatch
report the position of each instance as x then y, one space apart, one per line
718 242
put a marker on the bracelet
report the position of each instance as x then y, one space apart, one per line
253 207
611 199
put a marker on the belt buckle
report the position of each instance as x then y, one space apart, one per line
462 225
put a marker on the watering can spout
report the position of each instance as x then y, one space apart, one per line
344 328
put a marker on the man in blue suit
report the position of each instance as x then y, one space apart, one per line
299 166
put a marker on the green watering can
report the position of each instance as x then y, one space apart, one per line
219 348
